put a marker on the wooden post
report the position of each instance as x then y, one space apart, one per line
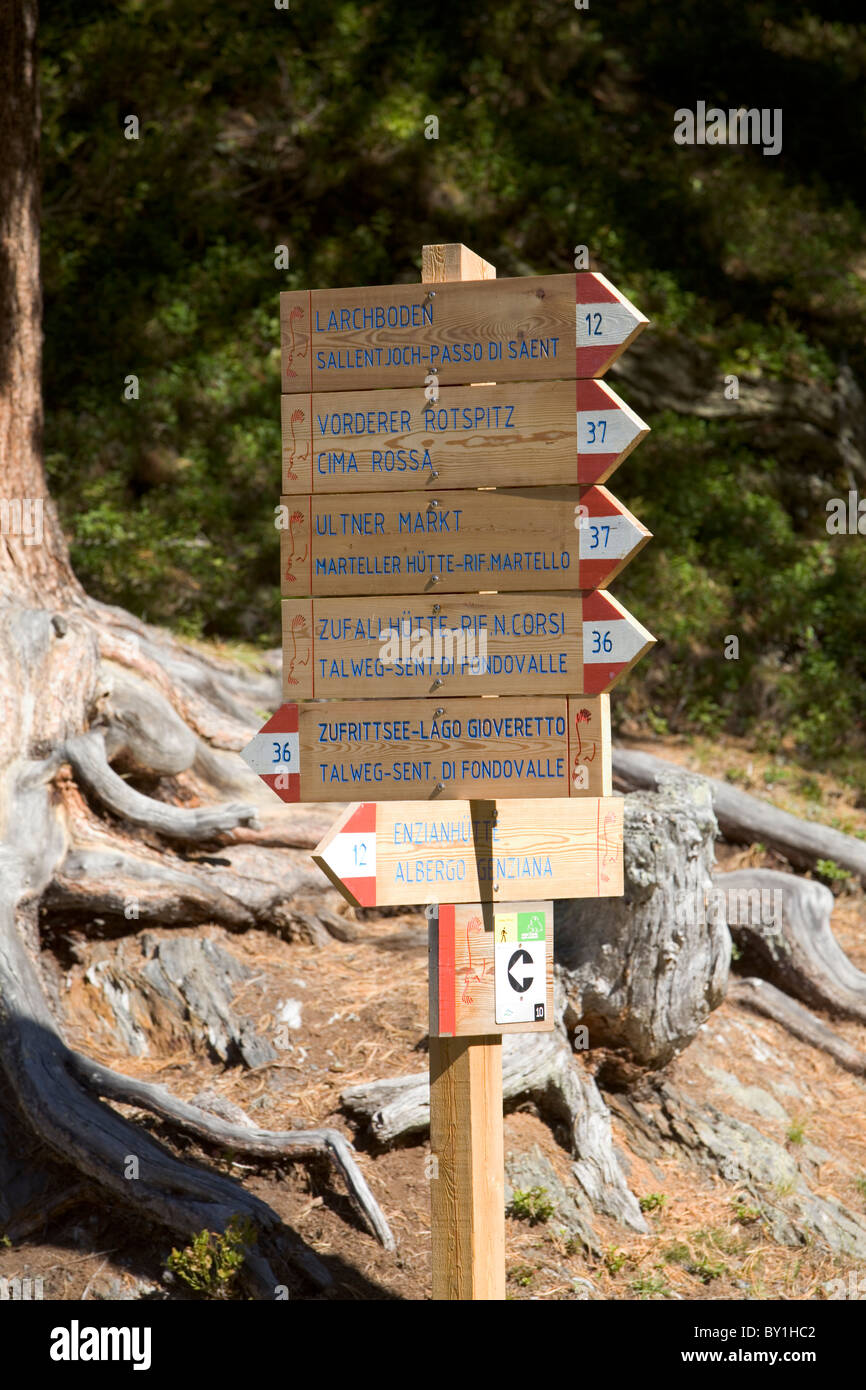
466 1138
468 1195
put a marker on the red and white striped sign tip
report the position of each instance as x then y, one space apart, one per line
609 537
347 854
613 642
606 323
607 431
275 753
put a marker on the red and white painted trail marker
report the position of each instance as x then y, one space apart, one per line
464 542
275 754
347 854
607 431
609 538
606 323
613 641
531 328
384 853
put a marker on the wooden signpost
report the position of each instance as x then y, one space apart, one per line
533 328
381 854
421 749
444 547
456 437
456 542
453 645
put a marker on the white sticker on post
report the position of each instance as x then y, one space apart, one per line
520 966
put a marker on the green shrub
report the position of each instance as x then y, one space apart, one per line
532 1205
654 1201
210 1264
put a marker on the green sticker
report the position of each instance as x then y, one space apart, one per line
530 926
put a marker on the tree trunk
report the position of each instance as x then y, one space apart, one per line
34 564
85 689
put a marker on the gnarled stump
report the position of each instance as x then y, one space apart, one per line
642 972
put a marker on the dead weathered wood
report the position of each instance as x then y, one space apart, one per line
248 885
44 1075
782 927
638 972
745 819
764 998
81 1130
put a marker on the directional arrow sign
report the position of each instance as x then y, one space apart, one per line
457 644
388 853
456 437
536 327
426 748
456 542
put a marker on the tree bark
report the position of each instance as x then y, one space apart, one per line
86 689
781 925
28 568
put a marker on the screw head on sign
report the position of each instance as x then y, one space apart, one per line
437 608
432 503
438 711
437 682
434 473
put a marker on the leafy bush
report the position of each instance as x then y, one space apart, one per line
654 1201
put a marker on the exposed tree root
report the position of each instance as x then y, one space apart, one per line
103 883
87 755
289 1145
764 998
43 1073
782 926
82 715
744 819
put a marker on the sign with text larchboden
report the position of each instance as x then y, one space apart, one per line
531 328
